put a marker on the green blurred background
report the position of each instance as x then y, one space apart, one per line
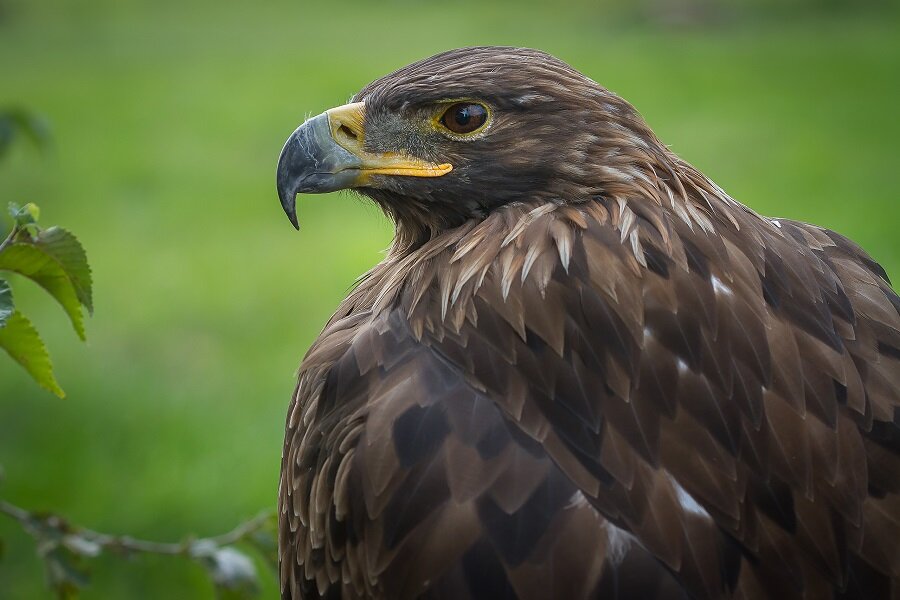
168 118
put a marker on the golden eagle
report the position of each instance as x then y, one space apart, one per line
582 370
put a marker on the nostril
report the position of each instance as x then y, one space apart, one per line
345 131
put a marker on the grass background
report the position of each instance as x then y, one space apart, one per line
168 119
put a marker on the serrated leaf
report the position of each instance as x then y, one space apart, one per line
6 301
22 342
35 263
65 248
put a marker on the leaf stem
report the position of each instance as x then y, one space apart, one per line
9 238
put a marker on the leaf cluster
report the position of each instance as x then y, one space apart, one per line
55 260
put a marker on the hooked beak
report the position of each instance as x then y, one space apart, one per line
327 153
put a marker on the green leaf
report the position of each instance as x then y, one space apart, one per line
6 301
44 269
65 248
25 215
25 218
20 339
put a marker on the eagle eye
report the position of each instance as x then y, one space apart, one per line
464 117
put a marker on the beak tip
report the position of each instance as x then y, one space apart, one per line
289 204
288 198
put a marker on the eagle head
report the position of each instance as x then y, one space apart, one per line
457 135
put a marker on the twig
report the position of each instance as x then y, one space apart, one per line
127 543
64 548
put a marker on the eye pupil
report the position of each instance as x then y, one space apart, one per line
464 117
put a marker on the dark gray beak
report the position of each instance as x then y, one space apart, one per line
313 162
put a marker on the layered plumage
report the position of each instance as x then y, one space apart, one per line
584 371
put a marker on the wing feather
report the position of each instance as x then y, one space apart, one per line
602 398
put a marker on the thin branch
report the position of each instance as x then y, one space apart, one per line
65 549
19 514
124 543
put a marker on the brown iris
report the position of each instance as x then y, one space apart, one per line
464 117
